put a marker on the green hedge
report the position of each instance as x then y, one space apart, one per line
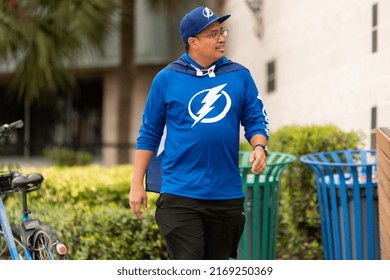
88 206
89 210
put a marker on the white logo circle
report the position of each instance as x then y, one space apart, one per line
207 13
208 102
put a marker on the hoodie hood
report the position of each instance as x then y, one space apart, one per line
185 64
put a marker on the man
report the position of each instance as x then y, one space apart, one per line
200 100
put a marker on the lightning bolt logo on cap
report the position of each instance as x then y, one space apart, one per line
207 13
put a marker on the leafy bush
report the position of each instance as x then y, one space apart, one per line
88 209
299 232
88 206
91 185
105 232
66 157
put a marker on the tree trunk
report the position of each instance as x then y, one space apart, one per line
117 92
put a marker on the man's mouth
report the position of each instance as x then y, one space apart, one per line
221 48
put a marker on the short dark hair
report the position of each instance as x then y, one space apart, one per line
187 47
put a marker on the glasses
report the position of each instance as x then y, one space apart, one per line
215 34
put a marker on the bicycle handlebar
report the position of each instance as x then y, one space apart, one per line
6 128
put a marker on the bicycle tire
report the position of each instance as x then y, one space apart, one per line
4 250
44 245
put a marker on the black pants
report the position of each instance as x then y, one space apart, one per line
200 229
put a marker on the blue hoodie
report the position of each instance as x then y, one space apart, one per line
199 111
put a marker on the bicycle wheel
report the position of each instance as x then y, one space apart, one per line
46 245
4 250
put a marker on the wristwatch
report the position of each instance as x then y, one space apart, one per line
265 148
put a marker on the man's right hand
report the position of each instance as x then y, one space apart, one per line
138 197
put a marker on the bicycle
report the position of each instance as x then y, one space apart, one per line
32 240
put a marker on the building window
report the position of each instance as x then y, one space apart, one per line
373 127
271 76
255 5
374 28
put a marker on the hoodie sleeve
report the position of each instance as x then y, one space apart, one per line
254 117
153 119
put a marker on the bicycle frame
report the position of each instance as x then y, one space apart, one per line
4 222
5 225
9 237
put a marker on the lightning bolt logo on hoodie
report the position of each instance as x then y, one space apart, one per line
210 97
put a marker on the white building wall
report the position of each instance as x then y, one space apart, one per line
326 72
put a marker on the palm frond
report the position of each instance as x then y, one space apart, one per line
43 37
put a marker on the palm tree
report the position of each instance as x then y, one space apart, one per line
40 40
42 37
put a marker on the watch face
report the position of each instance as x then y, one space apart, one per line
265 150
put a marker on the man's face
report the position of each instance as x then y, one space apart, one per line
211 43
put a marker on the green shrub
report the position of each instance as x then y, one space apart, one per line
88 208
63 156
91 185
299 232
105 232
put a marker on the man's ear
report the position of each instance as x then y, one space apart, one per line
192 42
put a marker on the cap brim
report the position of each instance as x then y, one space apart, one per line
220 19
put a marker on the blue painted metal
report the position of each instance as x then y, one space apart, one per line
27 252
347 190
8 232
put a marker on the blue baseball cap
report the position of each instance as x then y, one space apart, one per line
197 20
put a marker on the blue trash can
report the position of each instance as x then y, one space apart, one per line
347 191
